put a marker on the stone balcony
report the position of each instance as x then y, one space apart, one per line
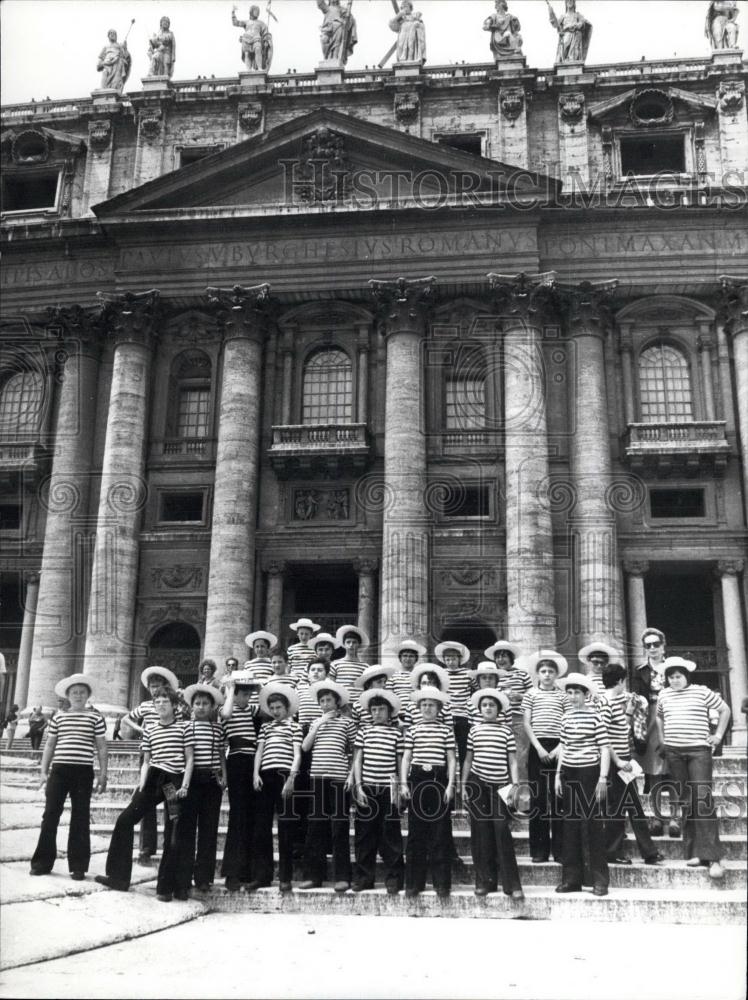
28 457
689 447
477 443
178 451
312 450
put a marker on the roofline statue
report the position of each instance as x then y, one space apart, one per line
722 24
574 34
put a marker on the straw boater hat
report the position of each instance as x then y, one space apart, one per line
163 673
322 687
499 696
534 661
429 692
389 696
62 687
458 647
486 668
345 630
510 647
212 692
270 639
322 637
284 691
375 670
598 647
429 668
676 662
243 678
412 645
578 680
305 623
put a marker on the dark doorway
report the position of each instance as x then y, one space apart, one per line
325 592
475 635
176 646
11 623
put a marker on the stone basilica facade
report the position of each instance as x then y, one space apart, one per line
455 351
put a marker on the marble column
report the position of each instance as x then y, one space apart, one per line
276 572
362 395
735 311
735 637
27 638
132 322
626 348
232 543
366 570
57 635
531 612
592 520
404 606
706 346
636 570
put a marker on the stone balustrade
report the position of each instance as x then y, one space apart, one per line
692 444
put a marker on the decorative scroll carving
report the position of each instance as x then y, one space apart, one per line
731 96
250 116
571 108
177 577
511 102
99 133
468 576
132 316
407 106
149 123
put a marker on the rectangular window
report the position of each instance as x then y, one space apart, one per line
643 156
193 417
466 142
676 503
465 405
466 501
191 154
183 506
10 516
29 192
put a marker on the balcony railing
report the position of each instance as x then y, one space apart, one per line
316 448
690 446
469 442
28 456
185 449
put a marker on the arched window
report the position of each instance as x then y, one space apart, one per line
20 403
328 388
191 373
664 385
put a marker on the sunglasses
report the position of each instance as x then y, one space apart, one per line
653 644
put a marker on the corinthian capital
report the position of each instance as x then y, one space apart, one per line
132 317
73 323
241 311
404 302
523 296
734 304
587 305
730 567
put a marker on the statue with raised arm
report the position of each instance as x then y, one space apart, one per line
114 63
338 31
722 24
411 34
162 50
256 40
574 34
505 32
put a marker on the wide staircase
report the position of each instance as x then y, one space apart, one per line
669 892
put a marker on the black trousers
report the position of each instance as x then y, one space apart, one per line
491 841
35 739
329 813
377 829
429 830
269 802
545 819
148 835
237 854
583 816
175 869
75 780
197 833
462 731
622 801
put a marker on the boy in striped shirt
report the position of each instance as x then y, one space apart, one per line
489 772
347 670
281 675
455 656
377 760
67 769
515 683
260 643
300 653
330 740
408 652
198 825
582 778
376 676
427 782
237 717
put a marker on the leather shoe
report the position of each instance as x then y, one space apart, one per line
538 860
655 859
285 886
342 886
566 887
310 884
164 897
77 876
518 895
393 890
599 890
481 892
182 895
362 886
39 871
693 862
112 883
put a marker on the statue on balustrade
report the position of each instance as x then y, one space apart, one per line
505 32
256 41
338 32
162 50
574 34
722 24
411 34
114 63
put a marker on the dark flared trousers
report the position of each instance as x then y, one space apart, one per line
691 770
377 829
622 801
429 830
583 815
269 802
491 837
75 780
546 830
237 854
330 812
197 833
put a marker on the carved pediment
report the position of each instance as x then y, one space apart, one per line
646 107
38 144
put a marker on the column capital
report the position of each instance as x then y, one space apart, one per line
636 567
705 343
243 312
132 317
404 302
587 306
730 567
734 304
274 567
364 566
523 296
79 324
31 577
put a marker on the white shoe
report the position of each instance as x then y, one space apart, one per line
693 862
716 870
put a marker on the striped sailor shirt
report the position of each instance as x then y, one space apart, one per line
208 744
381 747
300 655
429 743
286 679
400 684
279 740
309 709
617 725
474 716
144 715
166 745
459 691
685 714
239 731
261 669
332 747
347 672
547 712
582 737
490 744
413 714
76 734
514 683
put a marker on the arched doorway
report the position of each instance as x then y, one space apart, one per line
475 635
176 646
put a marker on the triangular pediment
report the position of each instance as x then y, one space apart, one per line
326 160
